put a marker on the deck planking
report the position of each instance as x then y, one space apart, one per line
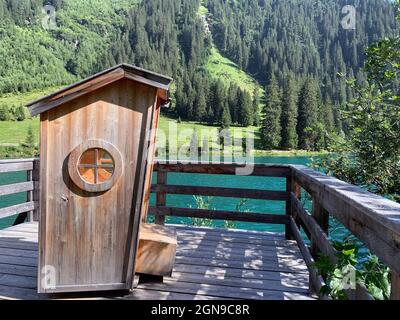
210 264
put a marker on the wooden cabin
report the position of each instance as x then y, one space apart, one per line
95 169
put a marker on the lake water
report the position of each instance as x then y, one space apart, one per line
259 206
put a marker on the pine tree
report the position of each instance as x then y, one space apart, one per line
200 110
226 120
328 117
20 114
245 109
289 116
307 121
29 142
271 127
256 110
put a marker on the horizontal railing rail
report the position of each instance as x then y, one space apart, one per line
28 209
161 189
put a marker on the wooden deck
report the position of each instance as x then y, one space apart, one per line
210 264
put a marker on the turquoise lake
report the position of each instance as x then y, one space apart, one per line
259 206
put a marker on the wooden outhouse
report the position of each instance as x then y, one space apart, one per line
96 163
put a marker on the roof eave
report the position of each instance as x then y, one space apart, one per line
96 82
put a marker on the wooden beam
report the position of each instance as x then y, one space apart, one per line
321 217
36 188
220 215
16 188
395 286
223 168
75 91
221 192
321 240
161 197
316 281
15 166
371 218
17 209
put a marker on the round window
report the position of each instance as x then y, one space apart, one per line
95 166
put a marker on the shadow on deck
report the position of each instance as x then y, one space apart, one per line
210 264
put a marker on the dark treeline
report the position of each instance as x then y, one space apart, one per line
169 37
296 117
304 38
164 36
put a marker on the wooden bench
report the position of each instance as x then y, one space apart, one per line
156 251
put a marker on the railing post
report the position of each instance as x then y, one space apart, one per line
291 187
395 286
321 216
29 197
161 197
36 189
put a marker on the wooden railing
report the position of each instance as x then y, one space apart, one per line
371 218
29 209
160 211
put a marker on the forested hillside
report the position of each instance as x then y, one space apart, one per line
300 37
299 44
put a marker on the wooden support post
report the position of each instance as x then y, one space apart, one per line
36 189
30 195
161 197
291 186
321 216
395 286
289 211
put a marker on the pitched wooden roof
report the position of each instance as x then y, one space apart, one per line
100 80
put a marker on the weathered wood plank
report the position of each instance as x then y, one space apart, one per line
22 245
221 291
75 91
15 293
161 197
281 264
226 281
15 166
241 252
321 217
18 253
17 209
321 240
219 215
223 168
395 286
148 294
16 188
18 270
225 234
35 194
286 278
20 261
221 192
237 233
316 281
221 249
